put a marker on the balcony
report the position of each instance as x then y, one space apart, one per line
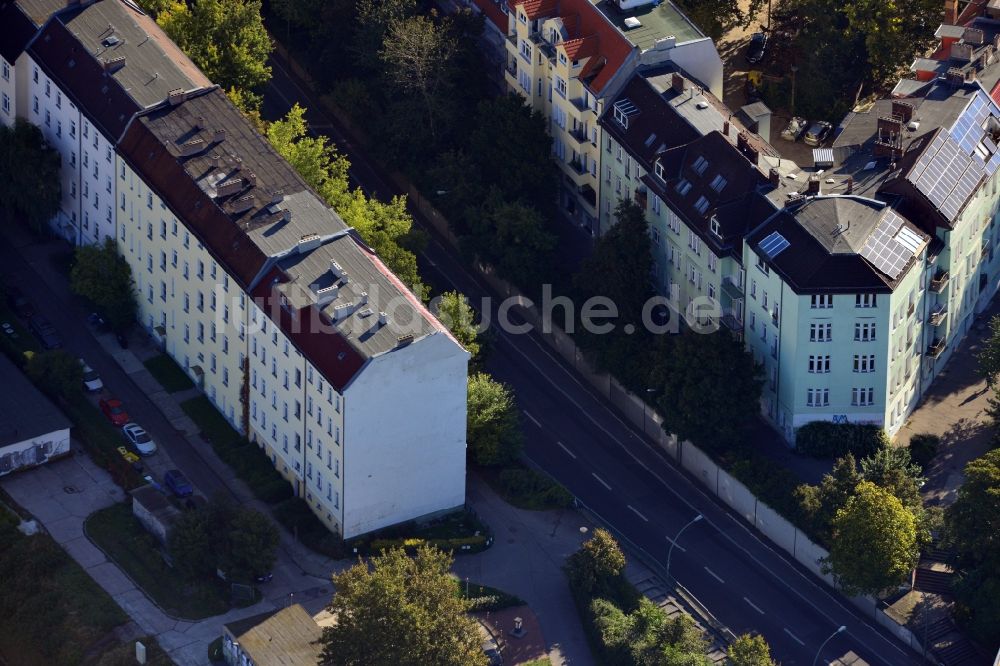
579 135
641 196
935 348
579 104
732 318
512 67
577 167
731 289
938 314
940 281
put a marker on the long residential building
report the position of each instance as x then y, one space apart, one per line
294 329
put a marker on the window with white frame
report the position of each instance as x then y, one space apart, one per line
864 300
658 170
819 364
863 397
819 397
820 332
864 331
821 301
864 363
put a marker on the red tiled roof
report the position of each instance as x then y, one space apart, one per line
995 93
587 25
582 47
491 10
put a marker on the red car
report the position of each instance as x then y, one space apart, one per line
115 412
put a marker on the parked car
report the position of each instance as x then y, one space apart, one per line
45 332
91 380
114 411
756 48
818 133
796 126
139 439
177 483
21 306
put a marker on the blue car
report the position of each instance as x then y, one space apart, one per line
177 483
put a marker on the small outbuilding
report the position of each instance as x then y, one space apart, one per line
154 511
286 637
32 429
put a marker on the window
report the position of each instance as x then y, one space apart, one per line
864 331
683 186
713 262
58 100
819 364
753 288
817 397
59 129
72 128
6 71
820 332
694 242
48 118
34 75
700 165
34 103
864 363
561 86
701 205
658 170
526 50
864 300
48 88
654 202
863 397
718 183
821 301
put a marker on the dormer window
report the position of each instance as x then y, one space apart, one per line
701 205
623 109
562 58
683 187
522 18
716 227
718 183
700 165
658 169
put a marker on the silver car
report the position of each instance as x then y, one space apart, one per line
91 380
139 439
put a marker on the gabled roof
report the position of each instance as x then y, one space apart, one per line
113 61
288 637
18 29
493 12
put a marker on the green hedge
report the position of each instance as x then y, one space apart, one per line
823 439
923 447
468 545
486 598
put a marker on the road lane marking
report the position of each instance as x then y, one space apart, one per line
568 452
795 638
532 418
714 575
677 545
753 605
636 512
601 481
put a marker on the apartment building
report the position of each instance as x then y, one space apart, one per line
112 59
293 328
567 57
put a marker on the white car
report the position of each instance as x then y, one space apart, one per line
91 380
139 439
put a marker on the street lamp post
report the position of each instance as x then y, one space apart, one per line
670 553
828 639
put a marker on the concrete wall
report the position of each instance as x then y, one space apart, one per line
34 451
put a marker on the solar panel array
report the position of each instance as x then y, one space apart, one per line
891 246
968 129
946 175
773 245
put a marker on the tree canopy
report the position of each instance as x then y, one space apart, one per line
454 311
874 544
494 431
314 158
514 238
695 405
400 610
716 17
598 560
648 636
240 541
31 169
57 372
988 358
225 38
104 277
750 650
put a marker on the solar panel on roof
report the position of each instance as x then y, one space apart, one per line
891 246
908 239
773 245
946 175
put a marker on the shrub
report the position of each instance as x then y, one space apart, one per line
823 439
468 545
923 448
528 488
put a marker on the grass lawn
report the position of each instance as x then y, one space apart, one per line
484 597
168 373
119 534
526 488
212 424
123 654
52 610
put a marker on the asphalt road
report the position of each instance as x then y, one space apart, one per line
614 470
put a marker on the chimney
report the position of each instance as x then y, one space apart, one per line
743 145
404 340
192 147
231 186
955 77
242 204
950 12
961 52
250 178
326 295
725 128
677 83
850 185
176 96
774 176
902 110
383 319
309 242
812 187
973 36
219 135
113 65
336 270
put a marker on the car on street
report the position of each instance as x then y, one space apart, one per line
796 126
91 380
817 133
45 332
114 411
177 483
139 439
757 47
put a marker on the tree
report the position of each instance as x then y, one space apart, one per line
192 544
648 636
821 503
695 404
455 312
314 158
972 526
373 22
750 650
388 229
494 432
57 372
154 7
874 545
988 358
717 17
400 611
599 560
102 276
514 238
893 469
31 182
251 544
249 104
225 38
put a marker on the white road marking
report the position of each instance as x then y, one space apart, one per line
568 452
636 512
753 605
795 638
677 545
601 481
532 418
714 575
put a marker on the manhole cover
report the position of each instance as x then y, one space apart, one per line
70 490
